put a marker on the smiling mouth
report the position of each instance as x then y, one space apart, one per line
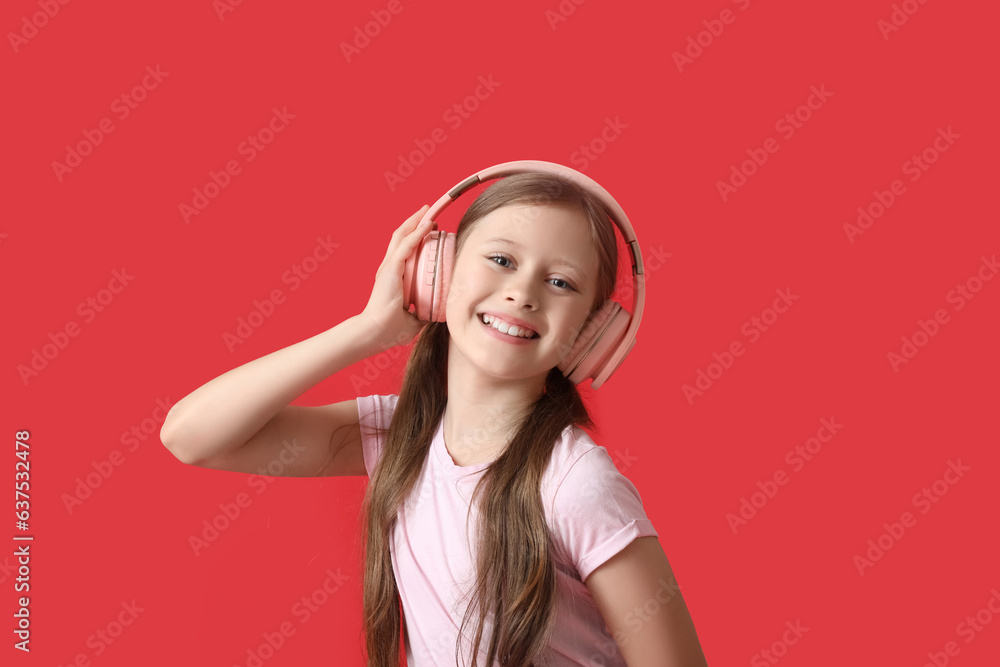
505 328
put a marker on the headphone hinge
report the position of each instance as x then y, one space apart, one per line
636 258
463 186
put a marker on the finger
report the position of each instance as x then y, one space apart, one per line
418 232
414 218
400 234
418 219
408 246
408 226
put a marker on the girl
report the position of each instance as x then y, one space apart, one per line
507 536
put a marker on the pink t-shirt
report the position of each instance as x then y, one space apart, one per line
592 510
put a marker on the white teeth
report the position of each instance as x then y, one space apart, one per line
509 329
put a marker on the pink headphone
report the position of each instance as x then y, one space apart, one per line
607 336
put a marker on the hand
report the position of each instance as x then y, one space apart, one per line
385 309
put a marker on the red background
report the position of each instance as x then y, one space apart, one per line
324 176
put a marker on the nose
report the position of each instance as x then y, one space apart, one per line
520 290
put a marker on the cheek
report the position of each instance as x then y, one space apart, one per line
462 291
575 327
468 282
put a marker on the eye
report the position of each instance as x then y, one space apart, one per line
505 258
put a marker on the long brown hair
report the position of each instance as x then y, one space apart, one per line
515 574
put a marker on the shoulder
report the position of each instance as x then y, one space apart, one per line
577 461
593 510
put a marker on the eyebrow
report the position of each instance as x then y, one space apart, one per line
513 244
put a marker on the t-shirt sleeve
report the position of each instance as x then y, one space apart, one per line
597 512
374 412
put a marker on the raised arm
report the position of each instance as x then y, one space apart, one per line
242 420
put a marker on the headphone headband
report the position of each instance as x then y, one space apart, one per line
618 217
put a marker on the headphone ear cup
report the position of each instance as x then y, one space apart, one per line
442 276
416 273
602 333
427 276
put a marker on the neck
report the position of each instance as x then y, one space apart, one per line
484 411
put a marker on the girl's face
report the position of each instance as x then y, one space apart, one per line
531 263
